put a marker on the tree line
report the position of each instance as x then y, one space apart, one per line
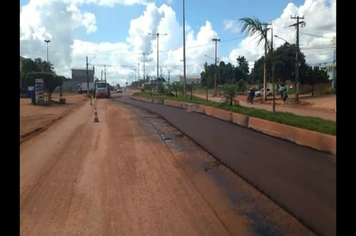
284 68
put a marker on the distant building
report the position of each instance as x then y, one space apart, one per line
79 75
69 85
189 79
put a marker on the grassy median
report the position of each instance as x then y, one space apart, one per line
304 122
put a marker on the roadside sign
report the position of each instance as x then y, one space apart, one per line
39 91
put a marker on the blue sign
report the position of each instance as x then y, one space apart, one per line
39 91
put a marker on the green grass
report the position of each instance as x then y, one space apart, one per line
309 123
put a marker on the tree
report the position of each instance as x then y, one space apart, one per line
284 58
44 65
241 86
190 88
206 76
51 81
229 74
229 93
175 87
243 67
257 71
313 76
28 65
62 78
255 27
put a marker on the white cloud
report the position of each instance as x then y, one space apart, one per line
231 25
112 3
320 18
39 20
89 22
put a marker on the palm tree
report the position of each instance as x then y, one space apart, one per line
255 27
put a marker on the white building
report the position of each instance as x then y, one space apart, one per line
189 80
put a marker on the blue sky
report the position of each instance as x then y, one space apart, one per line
113 24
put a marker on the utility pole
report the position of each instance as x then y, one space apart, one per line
157 37
138 71
169 76
160 70
101 77
273 64
216 40
184 58
302 23
264 63
87 76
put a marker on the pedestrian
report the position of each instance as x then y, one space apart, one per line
248 96
252 94
285 96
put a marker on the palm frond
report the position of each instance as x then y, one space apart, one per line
254 27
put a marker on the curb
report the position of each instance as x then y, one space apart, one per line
303 137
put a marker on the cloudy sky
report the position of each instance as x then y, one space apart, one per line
116 33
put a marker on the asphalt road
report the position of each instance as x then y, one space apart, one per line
301 180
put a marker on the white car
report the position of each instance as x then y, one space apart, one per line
119 90
259 93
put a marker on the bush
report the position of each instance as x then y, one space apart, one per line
229 93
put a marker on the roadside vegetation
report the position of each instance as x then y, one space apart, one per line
309 123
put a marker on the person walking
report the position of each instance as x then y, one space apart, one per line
250 95
285 96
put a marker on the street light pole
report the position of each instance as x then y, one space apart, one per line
48 64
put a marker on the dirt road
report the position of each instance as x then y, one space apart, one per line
133 174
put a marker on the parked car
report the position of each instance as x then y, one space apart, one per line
259 93
119 90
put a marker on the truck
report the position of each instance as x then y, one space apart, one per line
102 89
82 87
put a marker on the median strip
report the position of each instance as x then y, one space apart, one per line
321 141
